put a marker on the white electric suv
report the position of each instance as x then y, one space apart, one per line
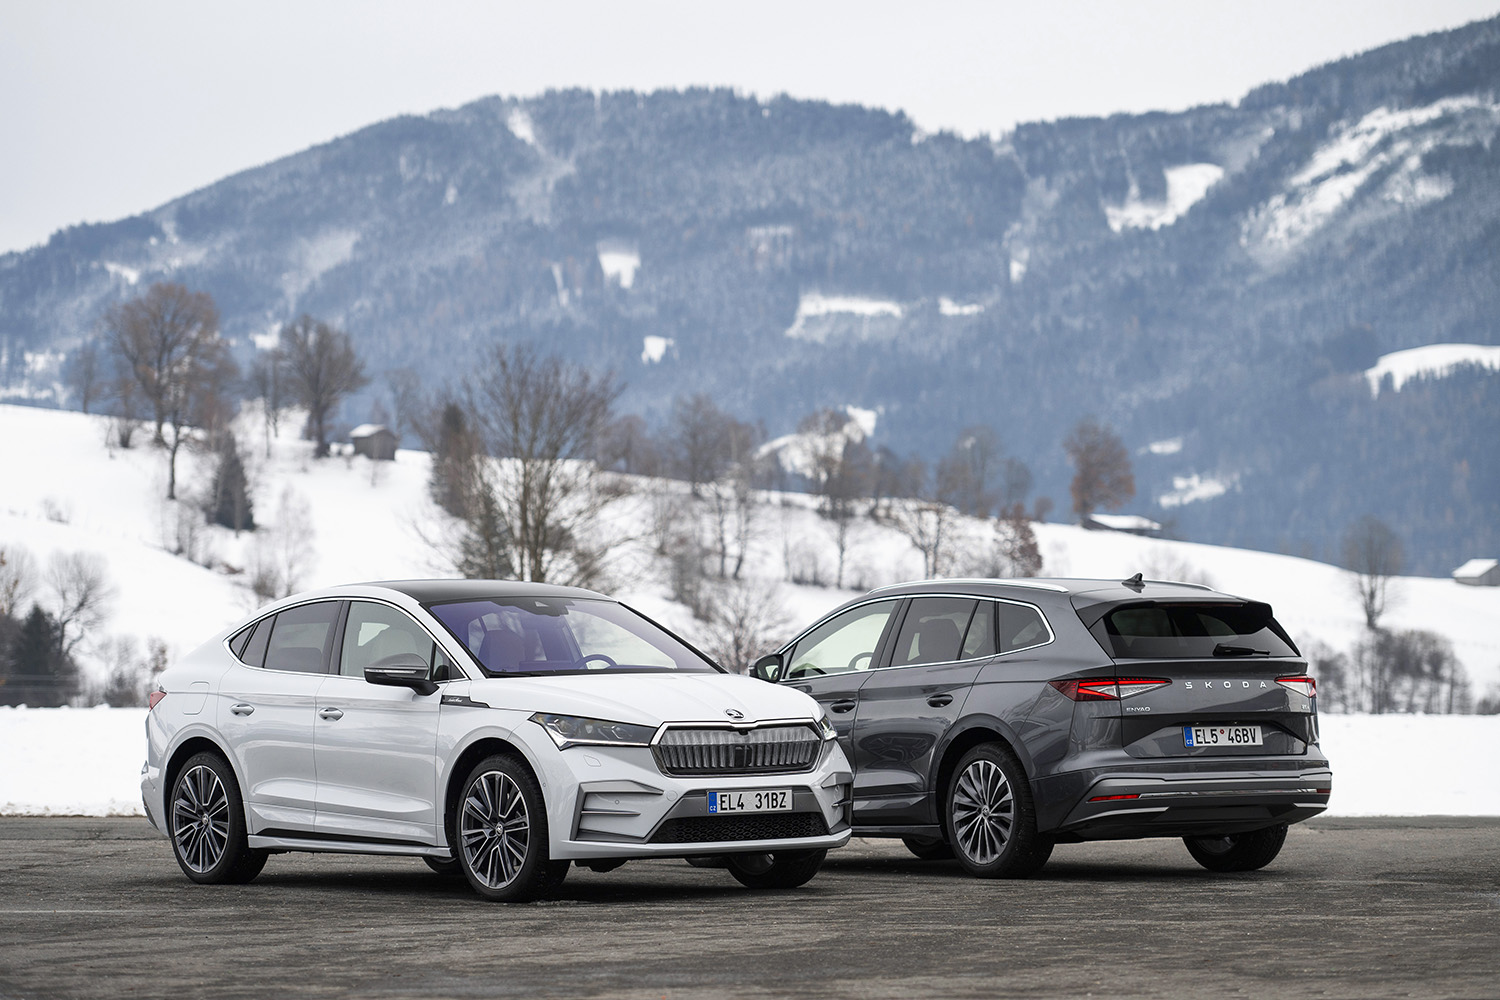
501 730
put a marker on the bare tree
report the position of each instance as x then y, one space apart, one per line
1102 476
81 593
268 380
540 418
322 369
627 446
168 348
702 439
744 620
1372 552
974 460
86 374
283 553
17 579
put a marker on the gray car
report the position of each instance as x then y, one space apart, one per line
989 720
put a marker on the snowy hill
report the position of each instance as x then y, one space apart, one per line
63 490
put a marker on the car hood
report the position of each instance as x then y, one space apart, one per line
648 699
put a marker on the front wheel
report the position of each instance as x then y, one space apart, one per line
991 818
1237 852
206 822
778 870
502 833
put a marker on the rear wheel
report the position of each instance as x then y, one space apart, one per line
502 833
991 818
776 870
206 821
928 848
1237 852
447 869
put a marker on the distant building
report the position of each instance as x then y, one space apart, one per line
375 441
1479 573
1131 524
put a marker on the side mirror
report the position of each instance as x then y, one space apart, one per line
408 671
767 668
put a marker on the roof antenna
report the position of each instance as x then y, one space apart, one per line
1135 583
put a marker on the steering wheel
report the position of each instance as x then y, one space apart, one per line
858 657
608 661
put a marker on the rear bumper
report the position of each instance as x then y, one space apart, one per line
1128 805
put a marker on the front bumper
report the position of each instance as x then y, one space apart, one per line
616 803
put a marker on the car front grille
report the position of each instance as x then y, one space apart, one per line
720 829
766 750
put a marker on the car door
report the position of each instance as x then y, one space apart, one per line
377 779
908 702
266 710
831 660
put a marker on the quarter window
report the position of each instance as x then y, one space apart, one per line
1021 626
300 638
843 643
381 636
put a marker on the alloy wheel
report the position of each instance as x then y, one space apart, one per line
984 811
495 829
200 819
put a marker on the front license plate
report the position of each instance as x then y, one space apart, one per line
775 800
1221 736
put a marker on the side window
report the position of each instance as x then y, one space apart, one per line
979 641
300 638
1021 626
253 651
381 636
933 631
843 643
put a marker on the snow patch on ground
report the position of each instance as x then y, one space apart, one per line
1187 184
815 305
1168 446
949 307
1193 488
519 123
619 261
800 453
1383 139
654 348
129 274
1432 361
316 257
86 762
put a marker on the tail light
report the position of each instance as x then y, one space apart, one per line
1302 684
154 698
1108 688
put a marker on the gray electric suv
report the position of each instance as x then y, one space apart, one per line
989 720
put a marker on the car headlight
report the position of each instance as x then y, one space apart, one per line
826 728
572 730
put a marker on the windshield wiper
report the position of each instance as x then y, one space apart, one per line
1224 649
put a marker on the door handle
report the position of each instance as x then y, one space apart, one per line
241 709
940 700
842 706
330 713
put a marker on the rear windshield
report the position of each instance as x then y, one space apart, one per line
532 636
1192 631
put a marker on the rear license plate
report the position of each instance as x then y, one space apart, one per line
1221 736
775 800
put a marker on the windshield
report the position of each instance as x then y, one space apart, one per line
527 636
1192 631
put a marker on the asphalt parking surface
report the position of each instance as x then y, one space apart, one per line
1351 908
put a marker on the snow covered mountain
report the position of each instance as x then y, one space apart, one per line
1221 277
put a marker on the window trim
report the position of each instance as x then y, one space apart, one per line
1051 635
898 613
338 647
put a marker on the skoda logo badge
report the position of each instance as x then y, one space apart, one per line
734 713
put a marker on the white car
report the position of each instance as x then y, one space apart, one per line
502 730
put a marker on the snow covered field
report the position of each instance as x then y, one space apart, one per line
86 762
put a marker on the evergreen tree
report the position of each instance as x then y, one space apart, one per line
39 673
230 503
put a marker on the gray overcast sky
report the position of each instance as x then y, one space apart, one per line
111 108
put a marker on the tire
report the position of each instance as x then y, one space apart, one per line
1237 852
206 824
777 870
501 828
447 869
928 849
990 817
